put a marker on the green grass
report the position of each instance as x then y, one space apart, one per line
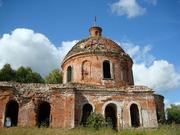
162 130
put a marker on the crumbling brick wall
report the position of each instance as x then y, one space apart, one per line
159 100
67 101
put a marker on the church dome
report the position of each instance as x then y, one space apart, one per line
95 44
97 60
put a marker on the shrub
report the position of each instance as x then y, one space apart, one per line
96 120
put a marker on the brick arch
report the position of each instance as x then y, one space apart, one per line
110 114
139 111
11 113
85 112
106 103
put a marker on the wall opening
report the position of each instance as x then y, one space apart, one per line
106 69
110 115
87 109
69 74
11 114
43 114
135 122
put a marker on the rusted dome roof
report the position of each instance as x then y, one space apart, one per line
95 43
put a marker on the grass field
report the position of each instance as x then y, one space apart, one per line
162 130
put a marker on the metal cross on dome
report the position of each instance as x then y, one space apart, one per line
95 21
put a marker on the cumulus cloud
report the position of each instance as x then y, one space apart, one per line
161 75
149 71
128 7
24 47
139 54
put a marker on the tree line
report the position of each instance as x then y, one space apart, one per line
26 75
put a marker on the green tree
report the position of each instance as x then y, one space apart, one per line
173 114
7 73
54 77
25 75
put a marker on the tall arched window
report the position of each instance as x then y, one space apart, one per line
69 74
106 69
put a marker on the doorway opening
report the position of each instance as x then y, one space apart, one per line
43 114
11 114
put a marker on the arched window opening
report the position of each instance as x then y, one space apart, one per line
11 114
69 74
106 69
135 122
43 114
96 32
110 115
87 109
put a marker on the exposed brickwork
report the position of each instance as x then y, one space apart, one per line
67 102
100 75
159 100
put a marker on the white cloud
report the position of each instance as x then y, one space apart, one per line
177 103
149 71
161 75
139 54
24 47
128 7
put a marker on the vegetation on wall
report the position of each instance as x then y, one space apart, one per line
26 75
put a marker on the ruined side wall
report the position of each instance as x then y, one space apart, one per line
63 109
123 100
159 101
29 96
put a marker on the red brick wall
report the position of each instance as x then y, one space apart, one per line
96 70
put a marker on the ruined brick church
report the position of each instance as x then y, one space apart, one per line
97 77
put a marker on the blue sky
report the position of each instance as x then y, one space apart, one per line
147 29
